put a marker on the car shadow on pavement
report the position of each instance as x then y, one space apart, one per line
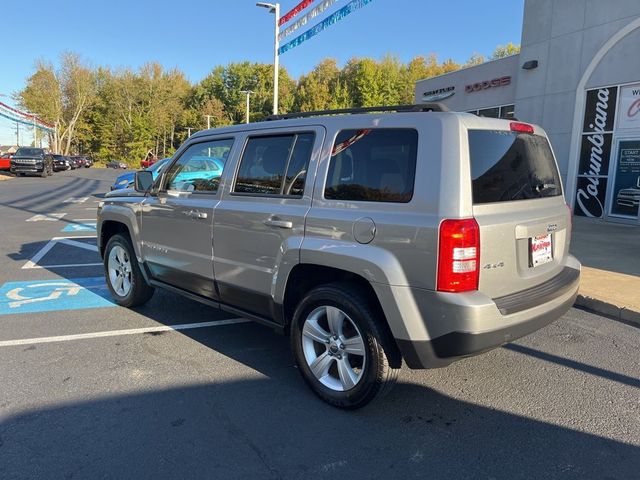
583 367
275 428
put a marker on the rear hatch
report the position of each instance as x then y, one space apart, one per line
519 206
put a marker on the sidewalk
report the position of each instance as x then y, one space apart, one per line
610 283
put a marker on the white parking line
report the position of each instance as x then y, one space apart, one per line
47 217
115 333
33 263
76 200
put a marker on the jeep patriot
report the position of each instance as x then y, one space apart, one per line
369 236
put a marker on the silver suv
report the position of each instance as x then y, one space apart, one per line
369 237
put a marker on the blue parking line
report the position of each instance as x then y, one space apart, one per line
80 227
54 295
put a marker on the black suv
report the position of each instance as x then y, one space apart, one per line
32 161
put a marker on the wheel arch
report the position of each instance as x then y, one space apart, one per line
117 219
306 276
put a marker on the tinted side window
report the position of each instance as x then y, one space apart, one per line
200 167
275 165
377 165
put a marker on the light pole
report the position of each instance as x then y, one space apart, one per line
248 94
275 9
208 121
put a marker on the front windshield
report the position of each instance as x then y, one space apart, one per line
29 152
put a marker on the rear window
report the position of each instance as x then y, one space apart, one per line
373 165
508 166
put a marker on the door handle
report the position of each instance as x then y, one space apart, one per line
196 215
276 222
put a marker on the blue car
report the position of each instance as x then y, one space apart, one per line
126 180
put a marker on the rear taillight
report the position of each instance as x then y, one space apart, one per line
458 255
521 127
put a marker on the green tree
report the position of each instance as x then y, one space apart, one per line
507 50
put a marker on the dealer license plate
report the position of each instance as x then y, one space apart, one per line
540 250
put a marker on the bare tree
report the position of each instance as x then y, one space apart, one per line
60 96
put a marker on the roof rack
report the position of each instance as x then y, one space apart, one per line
422 107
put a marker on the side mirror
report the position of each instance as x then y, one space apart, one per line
143 181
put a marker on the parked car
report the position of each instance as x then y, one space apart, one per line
88 162
419 235
80 161
60 162
117 164
32 161
126 179
5 161
147 162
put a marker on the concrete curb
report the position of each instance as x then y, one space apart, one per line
609 309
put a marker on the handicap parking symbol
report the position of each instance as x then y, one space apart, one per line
80 227
54 295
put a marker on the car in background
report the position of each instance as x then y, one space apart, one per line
126 179
88 162
117 164
32 161
147 162
79 160
74 162
200 170
60 162
5 161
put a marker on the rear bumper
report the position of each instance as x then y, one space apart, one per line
456 326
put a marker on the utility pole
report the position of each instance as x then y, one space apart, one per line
208 121
248 94
275 9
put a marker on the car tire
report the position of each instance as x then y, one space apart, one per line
339 333
123 275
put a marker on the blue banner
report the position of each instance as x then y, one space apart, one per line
327 22
24 122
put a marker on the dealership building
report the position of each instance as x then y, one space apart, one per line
578 76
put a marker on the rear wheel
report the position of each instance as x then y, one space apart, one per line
341 347
124 277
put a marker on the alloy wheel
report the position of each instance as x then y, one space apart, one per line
333 348
119 266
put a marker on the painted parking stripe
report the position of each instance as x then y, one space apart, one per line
47 217
116 333
54 295
80 227
34 262
76 200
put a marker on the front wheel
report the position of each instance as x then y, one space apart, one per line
342 347
124 277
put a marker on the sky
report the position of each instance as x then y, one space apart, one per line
197 35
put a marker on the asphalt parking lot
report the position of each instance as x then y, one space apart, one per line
92 390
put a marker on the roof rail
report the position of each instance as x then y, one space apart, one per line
422 107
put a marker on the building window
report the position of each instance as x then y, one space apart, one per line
493 112
507 111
